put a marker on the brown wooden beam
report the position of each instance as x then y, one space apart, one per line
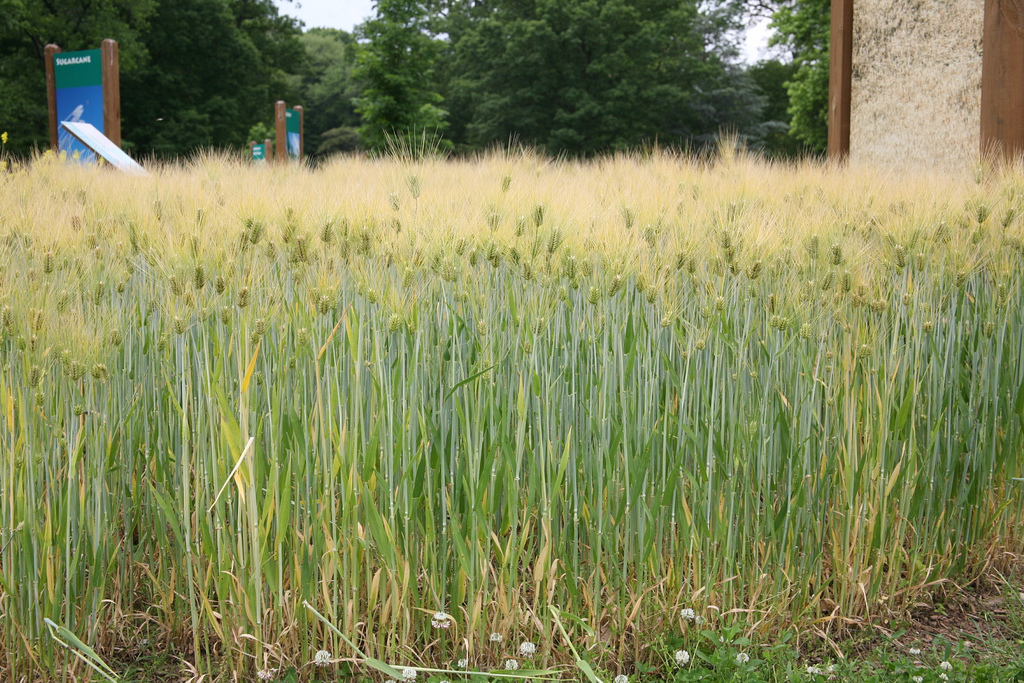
281 128
111 91
1002 79
51 92
840 79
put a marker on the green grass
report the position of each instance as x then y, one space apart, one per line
787 398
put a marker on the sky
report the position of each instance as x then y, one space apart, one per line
342 14
755 42
345 14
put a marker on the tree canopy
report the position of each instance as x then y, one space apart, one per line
197 84
396 69
802 26
577 77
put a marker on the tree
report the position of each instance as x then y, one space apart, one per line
587 76
277 39
771 77
396 70
802 26
197 88
728 98
205 82
328 92
733 103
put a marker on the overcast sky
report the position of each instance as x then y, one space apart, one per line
345 14
328 13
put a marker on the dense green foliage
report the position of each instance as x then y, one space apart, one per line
803 27
772 78
328 92
211 70
396 69
569 76
577 75
585 76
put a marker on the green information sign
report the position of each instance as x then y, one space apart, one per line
259 152
77 69
293 129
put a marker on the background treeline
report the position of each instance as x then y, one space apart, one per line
573 77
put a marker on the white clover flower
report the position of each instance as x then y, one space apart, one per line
322 658
463 663
409 674
742 658
527 649
682 657
511 664
441 620
688 614
830 668
946 666
943 677
496 637
917 679
699 619
914 651
815 671
622 678
266 674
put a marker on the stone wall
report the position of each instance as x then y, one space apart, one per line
916 94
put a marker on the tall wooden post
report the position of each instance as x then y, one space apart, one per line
268 151
302 133
1002 79
840 79
111 91
252 143
51 92
281 127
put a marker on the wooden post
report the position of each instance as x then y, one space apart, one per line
51 92
111 91
281 127
268 151
840 79
302 133
252 143
1002 79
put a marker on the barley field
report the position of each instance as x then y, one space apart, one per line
246 411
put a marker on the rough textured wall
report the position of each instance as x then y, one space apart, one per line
916 97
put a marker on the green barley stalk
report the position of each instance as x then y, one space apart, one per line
388 425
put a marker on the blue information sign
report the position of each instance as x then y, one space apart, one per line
78 83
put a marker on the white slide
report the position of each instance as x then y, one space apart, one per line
92 138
